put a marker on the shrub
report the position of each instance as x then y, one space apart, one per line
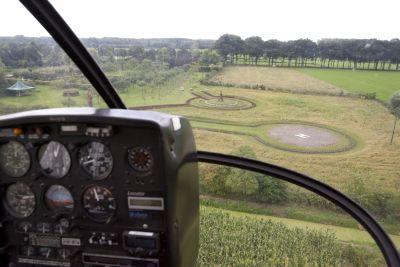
373 198
227 181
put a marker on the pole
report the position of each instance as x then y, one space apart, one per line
394 129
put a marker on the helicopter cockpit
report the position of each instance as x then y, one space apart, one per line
110 186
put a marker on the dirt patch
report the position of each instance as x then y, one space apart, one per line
304 136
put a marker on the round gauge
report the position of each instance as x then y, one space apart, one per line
96 159
58 199
14 159
99 203
21 200
54 159
140 159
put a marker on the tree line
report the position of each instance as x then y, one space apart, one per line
332 53
29 55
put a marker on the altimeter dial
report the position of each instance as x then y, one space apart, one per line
14 159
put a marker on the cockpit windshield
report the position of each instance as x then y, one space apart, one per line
310 85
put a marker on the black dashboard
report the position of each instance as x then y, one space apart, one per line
89 187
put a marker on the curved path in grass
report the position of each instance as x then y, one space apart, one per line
260 132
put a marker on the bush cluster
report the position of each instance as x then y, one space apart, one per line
209 68
145 74
226 181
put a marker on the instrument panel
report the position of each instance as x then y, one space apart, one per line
92 190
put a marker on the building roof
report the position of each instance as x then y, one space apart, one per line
19 86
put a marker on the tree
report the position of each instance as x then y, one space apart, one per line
394 52
209 57
229 44
137 53
395 110
303 49
272 50
183 57
227 180
254 47
2 79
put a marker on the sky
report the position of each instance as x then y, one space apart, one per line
209 19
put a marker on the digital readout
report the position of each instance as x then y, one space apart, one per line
140 242
146 203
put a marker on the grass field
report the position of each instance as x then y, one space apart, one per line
274 78
384 84
46 96
375 162
314 80
168 93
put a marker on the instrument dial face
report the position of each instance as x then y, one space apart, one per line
99 203
58 199
96 159
54 159
14 159
140 159
21 200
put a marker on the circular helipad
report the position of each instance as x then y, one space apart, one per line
227 103
308 138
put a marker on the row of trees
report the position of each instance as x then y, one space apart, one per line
29 55
171 57
330 51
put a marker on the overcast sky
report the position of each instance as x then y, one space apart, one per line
208 19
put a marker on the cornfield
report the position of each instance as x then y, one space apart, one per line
228 240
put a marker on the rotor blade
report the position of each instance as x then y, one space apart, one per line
48 16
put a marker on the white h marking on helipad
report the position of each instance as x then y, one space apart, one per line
304 136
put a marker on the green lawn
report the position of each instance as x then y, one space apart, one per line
44 97
383 83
